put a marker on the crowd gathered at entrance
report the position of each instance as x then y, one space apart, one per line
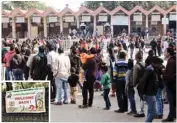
121 73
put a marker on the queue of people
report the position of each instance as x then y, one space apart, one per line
85 66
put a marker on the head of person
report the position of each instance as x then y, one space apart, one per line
104 69
139 56
41 49
50 46
60 50
73 70
12 47
122 55
156 62
170 52
93 50
17 50
27 52
151 53
83 50
130 64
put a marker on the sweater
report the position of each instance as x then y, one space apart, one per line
105 81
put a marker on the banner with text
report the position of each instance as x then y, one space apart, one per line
25 101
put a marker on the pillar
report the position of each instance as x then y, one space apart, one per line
94 23
164 27
45 26
78 23
13 28
29 27
147 23
129 24
61 24
112 31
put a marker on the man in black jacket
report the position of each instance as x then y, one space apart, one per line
91 68
39 65
148 87
153 44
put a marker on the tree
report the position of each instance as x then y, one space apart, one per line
128 5
9 5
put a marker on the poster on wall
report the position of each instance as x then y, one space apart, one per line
52 19
119 20
155 18
26 101
137 17
103 18
69 18
165 21
20 20
86 18
5 20
37 19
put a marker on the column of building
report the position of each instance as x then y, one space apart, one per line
13 28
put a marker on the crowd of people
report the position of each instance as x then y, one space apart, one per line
123 72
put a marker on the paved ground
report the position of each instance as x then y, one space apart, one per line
71 112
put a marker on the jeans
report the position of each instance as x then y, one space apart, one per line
62 87
171 96
159 102
7 73
17 74
52 85
106 98
151 104
121 96
131 97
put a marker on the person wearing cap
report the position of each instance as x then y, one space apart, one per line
39 65
169 77
148 87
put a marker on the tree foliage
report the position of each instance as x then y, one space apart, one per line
128 5
9 5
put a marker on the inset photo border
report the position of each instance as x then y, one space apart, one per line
25 101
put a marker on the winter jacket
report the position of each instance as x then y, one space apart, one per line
75 62
153 44
149 83
63 67
7 57
17 62
169 74
39 66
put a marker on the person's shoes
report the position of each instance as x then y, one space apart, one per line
65 102
119 111
139 115
168 120
52 100
165 102
113 95
89 106
158 117
57 103
106 108
82 106
73 102
131 113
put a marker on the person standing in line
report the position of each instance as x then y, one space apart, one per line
132 47
105 81
91 68
129 88
148 87
159 47
39 66
153 44
119 73
138 71
6 59
61 75
169 77
52 57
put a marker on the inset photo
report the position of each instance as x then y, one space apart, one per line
25 101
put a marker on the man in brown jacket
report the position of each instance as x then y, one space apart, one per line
138 71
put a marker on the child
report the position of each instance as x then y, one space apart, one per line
129 87
105 81
73 80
